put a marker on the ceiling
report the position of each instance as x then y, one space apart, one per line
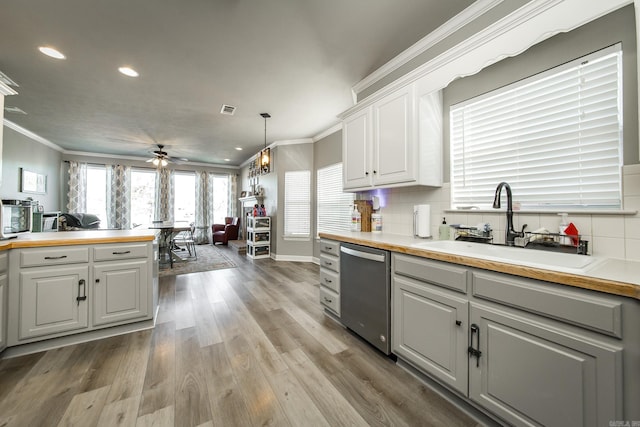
295 59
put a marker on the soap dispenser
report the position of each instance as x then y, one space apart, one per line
444 232
356 219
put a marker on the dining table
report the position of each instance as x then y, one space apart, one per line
168 230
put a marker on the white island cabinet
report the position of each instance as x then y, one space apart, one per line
59 291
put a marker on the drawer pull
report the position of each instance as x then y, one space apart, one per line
55 257
328 280
328 263
328 248
327 300
121 253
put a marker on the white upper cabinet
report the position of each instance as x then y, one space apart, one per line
396 141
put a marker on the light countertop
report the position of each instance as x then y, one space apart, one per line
84 237
610 275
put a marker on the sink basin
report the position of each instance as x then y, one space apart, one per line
570 263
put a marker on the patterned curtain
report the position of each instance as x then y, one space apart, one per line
204 214
119 197
164 195
77 195
233 196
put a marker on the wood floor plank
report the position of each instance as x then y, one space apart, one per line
85 408
205 323
104 365
120 413
158 391
184 317
192 399
13 370
129 378
164 417
333 405
228 404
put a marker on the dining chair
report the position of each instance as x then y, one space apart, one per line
186 239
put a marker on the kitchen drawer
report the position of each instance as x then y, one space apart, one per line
330 299
437 273
598 313
330 262
114 252
330 247
4 261
330 279
53 256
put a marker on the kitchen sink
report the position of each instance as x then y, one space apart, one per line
570 263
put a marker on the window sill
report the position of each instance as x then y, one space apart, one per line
297 238
622 212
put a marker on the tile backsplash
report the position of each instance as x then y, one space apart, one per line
609 235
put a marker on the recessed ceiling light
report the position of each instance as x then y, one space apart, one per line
128 71
239 148
227 160
53 53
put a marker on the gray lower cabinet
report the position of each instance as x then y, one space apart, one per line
4 285
528 352
430 330
530 372
330 276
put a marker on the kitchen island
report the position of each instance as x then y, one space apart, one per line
542 345
70 287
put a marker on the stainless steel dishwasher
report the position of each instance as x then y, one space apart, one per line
365 293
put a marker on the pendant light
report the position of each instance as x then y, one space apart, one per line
265 154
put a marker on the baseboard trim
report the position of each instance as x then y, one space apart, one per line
292 258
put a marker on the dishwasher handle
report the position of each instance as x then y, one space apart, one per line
365 255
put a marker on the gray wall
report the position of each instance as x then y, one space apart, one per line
21 152
326 151
618 26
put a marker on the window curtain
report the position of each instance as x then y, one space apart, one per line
233 198
77 195
119 197
204 208
164 195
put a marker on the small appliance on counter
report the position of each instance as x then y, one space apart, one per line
16 218
422 221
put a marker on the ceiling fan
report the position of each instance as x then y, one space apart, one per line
160 157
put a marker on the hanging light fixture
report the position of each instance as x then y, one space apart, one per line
265 154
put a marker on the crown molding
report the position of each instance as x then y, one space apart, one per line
31 135
6 90
532 23
333 129
144 159
468 15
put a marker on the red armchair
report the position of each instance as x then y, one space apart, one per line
222 233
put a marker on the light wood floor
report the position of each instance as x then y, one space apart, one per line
247 346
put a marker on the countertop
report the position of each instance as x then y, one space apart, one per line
609 275
84 237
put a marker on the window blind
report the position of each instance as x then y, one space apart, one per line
333 205
556 138
297 204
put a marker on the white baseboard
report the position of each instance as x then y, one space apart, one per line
292 258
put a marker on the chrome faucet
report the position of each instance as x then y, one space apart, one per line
510 234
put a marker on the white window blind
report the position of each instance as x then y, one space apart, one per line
333 205
297 204
556 138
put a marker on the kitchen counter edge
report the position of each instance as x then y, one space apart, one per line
67 238
626 283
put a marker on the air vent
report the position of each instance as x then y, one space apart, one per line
229 110
14 110
6 80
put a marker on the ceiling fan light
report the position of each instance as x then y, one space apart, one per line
156 162
164 162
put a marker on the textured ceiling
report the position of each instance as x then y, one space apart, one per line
295 59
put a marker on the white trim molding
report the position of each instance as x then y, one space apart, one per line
5 90
292 258
468 15
333 129
33 136
532 23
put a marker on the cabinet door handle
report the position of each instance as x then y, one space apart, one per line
327 280
475 351
366 173
327 300
82 284
328 248
121 253
458 322
375 171
55 257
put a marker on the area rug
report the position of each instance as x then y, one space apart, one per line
209 258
